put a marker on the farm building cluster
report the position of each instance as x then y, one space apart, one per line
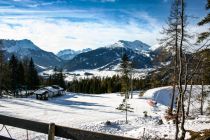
49 91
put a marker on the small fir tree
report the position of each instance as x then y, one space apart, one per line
126 68
125 107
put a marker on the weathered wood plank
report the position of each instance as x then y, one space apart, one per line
24 124
51 131
78 134
5 138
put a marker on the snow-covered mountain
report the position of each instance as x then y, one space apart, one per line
27 49
68 54
137 46
104 58
22 47
109 57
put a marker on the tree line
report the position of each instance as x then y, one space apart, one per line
21 75
57 78
18 74
97 85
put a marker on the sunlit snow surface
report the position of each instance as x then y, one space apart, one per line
87 111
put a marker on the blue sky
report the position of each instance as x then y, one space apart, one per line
76 24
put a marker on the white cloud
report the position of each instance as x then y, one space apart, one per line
54 35
108 0
51 32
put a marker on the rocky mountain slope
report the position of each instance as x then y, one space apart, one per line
109 57
27 49
68 54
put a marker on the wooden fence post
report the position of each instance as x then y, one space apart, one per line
51 131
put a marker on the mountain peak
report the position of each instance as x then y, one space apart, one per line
135 45
26 49
68 54
14 46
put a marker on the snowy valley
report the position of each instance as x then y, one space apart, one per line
104 70
99 111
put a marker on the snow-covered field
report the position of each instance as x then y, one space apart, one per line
90 112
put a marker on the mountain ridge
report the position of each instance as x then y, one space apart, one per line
68 54
27 49
103 58
108 57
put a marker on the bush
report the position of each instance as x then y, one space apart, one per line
108 123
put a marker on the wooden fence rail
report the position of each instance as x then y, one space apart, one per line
60 131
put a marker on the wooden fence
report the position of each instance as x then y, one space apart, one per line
55 130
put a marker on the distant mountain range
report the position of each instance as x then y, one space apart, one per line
104 58
109 57
68 54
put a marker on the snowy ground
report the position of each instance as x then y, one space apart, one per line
90 112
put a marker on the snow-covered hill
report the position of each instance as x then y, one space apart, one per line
68 54
103 58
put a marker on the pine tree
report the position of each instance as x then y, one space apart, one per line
20 74
125 107
49 80
13 63
126 68
172 36
61 81
55 76
32 76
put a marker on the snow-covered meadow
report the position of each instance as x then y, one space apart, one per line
90 112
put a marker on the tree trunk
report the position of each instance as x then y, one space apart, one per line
1 69
0 80
174 81
202 98
183 118
126 112
172 99
175 68
177 117
181 73
189 99
131 85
